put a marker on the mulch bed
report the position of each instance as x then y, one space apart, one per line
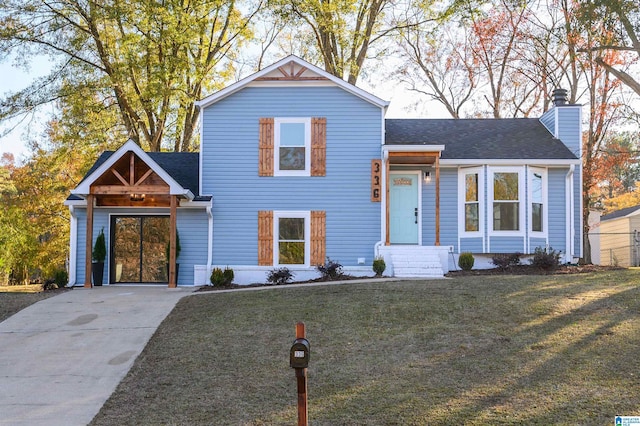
532 270
512 270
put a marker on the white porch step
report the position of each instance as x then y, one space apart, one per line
416 262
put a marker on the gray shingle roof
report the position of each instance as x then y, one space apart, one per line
184 167
620 213
505 138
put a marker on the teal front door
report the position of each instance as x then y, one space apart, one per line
404 211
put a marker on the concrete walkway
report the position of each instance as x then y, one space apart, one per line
61 358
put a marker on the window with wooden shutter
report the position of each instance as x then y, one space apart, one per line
318 237
318 147
265 156
265 238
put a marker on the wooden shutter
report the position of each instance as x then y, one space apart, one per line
319 147
265 155
318 237
265 238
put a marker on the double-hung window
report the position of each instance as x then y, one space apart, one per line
292 230
507 197
537 195
471 193
292 137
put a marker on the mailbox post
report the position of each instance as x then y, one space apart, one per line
299 360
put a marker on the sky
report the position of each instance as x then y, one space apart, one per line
13 79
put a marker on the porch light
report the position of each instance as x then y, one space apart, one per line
136 197
427 176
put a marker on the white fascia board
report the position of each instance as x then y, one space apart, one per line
505 162
75 203
196 204
174 187
215 97
413 148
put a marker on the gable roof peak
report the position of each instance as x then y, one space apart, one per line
292 70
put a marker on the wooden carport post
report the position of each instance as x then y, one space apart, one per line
172 242
89 243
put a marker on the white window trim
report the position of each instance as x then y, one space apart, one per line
545 202
522 208
306 215
307 146
462 202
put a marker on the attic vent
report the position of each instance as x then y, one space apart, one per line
560 97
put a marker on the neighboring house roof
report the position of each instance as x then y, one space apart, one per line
628 211
291 70
181 167
506 138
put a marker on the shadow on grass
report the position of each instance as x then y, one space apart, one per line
474 350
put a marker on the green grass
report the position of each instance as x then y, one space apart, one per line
535 350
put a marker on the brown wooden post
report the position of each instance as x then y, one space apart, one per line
386 189
172 242
437 199
88 243
301 379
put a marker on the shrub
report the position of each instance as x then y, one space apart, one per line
217 277
379 266
61 278
505 260
466 261
99 252
330 270
49 285
279 276
547 260
228 275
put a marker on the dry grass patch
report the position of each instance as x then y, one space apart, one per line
473 350
14 298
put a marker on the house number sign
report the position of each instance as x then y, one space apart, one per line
376 180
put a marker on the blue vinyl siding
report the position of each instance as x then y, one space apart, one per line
192 225
537 242
449 207
230 171
474 245
549 121
557 209
569 127
506 244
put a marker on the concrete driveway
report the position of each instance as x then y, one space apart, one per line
61 358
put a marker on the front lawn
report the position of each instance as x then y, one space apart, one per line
556 349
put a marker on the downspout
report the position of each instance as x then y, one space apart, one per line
570 227
210 241
73 246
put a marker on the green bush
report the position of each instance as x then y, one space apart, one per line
379 266
279 276
547 260
228 275
217 277
167 249
466 261
61 278
99 252
330 270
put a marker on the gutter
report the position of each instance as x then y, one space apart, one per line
210 240
73 246
570 227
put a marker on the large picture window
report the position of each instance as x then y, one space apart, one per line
506 200
292 146
292 230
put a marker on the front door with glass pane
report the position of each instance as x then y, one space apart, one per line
138 245
404 211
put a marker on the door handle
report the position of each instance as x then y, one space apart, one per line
415 212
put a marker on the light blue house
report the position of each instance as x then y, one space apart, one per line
297 165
